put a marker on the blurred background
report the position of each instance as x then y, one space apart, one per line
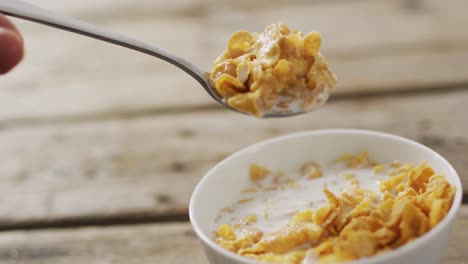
95 134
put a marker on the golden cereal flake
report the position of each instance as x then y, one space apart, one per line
243 201
276 68
231 85
227 210
258 172
226 232
378 168
393 182
358 161
438 211
311 170
246 102
395 164
414 223
303 216
404 168
251 234
250 219
290 237
240 43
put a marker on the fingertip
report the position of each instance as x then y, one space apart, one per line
11 50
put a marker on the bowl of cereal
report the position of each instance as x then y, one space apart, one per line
328 196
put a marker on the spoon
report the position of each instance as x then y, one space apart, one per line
23 10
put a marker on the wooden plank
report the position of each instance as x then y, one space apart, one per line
373 46
362 23
391 25
157 243
154 243
111 168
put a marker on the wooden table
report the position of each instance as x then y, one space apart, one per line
101 147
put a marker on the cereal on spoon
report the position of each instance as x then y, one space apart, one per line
277 70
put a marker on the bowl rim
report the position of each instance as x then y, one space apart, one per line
383 257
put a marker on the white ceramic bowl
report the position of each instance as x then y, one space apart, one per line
222 184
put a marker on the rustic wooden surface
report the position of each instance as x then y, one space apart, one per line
152 243
124 166
95 135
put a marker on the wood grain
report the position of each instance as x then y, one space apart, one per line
149 165
153 243
373 46
93 134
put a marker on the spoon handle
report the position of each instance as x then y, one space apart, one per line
23 10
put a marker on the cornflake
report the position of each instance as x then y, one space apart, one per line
311 170
378 168
353 224
258 172
277 70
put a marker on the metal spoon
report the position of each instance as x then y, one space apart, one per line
23 10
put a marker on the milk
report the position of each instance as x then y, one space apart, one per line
274 208
296 105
